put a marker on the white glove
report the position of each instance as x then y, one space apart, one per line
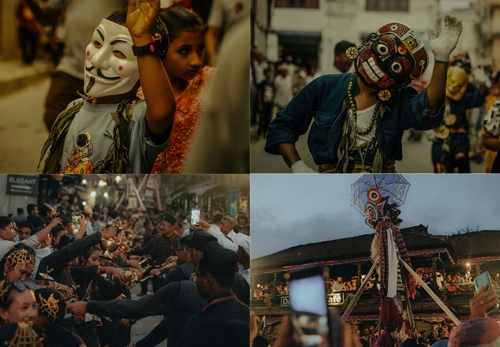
300 167
431 135
443 45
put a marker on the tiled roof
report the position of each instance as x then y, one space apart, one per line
353 248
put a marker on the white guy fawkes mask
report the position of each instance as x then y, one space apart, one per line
110 65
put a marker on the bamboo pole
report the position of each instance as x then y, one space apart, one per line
354 300
430 292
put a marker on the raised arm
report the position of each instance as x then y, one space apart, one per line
42 234
155 83
62 257
442 47
149 305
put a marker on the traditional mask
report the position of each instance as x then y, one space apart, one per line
456 82
391 58
110 65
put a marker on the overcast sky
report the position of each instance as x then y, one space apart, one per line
289 210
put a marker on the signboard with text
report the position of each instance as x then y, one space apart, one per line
335 299
22 185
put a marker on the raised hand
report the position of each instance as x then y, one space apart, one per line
140 20
482 301
55 222
445 43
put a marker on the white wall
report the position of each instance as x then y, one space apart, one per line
349 22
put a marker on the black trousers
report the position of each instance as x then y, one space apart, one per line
28 42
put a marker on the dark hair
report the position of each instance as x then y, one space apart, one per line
178 19
65 240
44 209
18 247
243 217
120 17
217 218
35 220
342 46
25 225
20 210
222 282
88 252
30 208
462 63
186 241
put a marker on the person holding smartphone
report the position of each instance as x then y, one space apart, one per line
479 330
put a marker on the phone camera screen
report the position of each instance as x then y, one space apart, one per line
195 216
309 316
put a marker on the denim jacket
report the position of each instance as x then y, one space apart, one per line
321 101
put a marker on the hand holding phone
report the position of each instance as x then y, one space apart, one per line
309 317
485 300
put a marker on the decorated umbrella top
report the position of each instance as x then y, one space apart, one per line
394 187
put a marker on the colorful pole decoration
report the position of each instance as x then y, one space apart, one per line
378 196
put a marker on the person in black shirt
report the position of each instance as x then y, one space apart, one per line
224 321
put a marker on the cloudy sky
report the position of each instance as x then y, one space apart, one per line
289 210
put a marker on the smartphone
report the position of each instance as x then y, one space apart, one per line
195 216
482 280
309 307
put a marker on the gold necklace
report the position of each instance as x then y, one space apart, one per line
352 105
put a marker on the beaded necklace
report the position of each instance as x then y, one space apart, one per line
352 105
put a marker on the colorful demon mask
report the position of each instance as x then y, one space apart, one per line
110 65
390 58
456 82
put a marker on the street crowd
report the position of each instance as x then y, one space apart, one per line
68 270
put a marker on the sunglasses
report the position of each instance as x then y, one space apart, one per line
23 286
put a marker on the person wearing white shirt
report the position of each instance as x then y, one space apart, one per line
226 227
8 233
283 82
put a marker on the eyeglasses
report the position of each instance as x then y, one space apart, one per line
182 249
